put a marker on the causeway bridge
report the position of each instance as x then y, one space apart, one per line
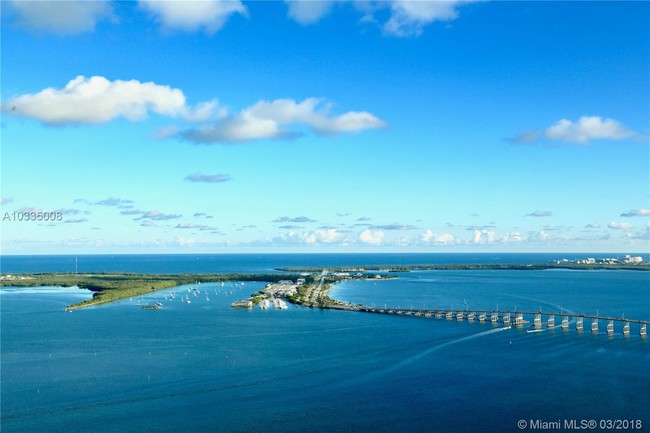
539 319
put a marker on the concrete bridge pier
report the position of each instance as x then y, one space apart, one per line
494 317
610 327
565 322
580 324
643 331
551 321
506 318
594 325
626 328
537 322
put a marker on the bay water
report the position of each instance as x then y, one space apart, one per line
205 367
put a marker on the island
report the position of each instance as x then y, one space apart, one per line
305 286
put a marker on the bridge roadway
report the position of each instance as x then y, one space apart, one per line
517 318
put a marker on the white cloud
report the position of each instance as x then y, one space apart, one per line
60 17
408 18
588 128
592 226
98 100
513 236
430 237
184 242
539 236
636 212
620 226
275 119
328 236
370 237
483 236
190 16
308 12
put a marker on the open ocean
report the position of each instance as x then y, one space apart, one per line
205 367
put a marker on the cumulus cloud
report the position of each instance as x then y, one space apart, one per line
588 128
98 100
483 237
619 226
184 242
430 237
408 18
513 236
328 236
370 237
279 119
308 12
540 213
60 17
208 178
636 213
189 16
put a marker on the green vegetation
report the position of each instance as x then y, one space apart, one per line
113 286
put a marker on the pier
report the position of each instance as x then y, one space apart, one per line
539 319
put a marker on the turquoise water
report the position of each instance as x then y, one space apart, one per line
205 367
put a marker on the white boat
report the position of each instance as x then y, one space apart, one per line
265 304
279 304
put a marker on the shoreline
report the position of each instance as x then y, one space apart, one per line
109 287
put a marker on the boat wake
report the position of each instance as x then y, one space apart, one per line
416 357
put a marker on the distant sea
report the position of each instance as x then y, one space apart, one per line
205 367
224 263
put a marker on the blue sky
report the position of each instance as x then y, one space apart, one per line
211 126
